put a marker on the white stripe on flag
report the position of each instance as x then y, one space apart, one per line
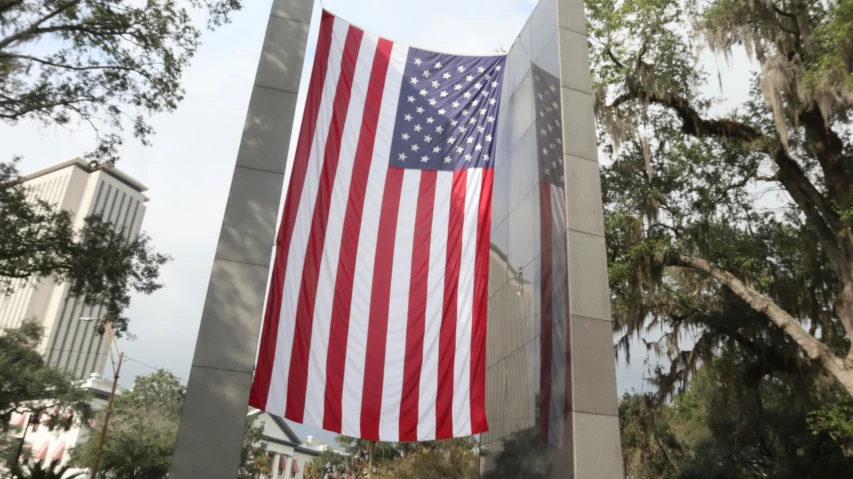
363 277
277 397
462 362
316 386
434 306
398 307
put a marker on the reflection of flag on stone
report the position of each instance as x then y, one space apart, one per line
376 319
555 373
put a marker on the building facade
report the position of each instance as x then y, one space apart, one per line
74 186
289 455
45 444
551 398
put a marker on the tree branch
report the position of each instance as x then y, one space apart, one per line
783 12
6 5
72 67
814 349
792 177
613 57
34 28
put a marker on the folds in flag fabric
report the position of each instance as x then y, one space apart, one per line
375 324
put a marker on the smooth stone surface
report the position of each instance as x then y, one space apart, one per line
598 452
213 416
589 289
574 61
293 9
267 131
232 313
583 194
280 66
593 368
579 138
248 228
571 15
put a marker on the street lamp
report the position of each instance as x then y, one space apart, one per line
113 345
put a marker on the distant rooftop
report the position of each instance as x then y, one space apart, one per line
88 168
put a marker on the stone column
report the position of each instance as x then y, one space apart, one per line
275 460
211 431
288 463
595 419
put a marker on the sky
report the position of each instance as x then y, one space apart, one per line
188 169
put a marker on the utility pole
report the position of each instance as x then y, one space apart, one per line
113 344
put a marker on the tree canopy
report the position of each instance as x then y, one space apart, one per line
108 64
787 425
29 385
451 459
143 429
254 460
697 242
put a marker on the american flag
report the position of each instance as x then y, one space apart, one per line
375 324
555 366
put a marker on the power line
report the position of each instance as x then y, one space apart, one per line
127 358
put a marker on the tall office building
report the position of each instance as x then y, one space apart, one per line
73 185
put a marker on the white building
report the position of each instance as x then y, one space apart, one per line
289 454
48 443
74 186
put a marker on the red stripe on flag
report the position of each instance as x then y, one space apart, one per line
418 287
266 355
545 341
447 336
374 363
481 306
336 359
298 376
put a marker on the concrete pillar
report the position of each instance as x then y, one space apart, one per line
275 460
287 465
595 417
211 431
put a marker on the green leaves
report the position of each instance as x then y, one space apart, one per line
456 458
760 193
28 384
108 64
40 470
254 460
142 431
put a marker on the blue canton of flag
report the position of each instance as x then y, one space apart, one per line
448 111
